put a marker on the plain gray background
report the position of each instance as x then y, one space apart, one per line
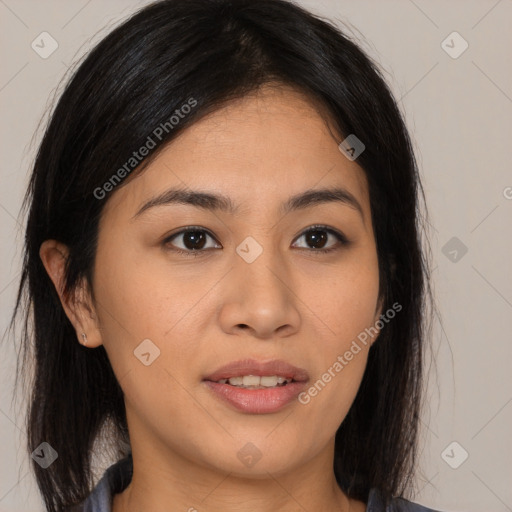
459 111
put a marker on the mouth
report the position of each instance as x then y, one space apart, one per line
256 381
252 373
255 387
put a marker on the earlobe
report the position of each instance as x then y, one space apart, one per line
77 304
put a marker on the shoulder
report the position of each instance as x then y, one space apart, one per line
376 504
115 479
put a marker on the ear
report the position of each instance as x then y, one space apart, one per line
378 308
378 313
78 304
380 302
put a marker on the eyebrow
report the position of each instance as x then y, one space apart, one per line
218 202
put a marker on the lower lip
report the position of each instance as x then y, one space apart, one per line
257 401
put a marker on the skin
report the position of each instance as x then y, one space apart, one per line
296 304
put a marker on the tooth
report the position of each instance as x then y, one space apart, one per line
250 380
255 381
270 380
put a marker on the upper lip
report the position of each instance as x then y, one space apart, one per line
253 367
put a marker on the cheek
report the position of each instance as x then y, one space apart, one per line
139 301
141 298
344 298
344 309
139 294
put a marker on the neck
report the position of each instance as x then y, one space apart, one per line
177 484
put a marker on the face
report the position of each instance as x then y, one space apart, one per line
255 283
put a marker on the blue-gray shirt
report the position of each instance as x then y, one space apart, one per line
117 477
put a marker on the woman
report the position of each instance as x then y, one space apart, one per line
223 212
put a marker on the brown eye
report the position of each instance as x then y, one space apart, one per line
194 240
317 237
191 240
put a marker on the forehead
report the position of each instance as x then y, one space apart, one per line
258 150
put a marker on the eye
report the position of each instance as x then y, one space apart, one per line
319 235
193 240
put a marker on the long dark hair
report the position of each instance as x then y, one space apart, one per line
132 82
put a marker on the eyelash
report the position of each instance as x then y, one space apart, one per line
195 253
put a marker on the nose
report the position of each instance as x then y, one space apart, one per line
260 299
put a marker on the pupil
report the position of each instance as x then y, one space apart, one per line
314 237
194 237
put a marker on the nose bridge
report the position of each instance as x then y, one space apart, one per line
262 297
261 265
